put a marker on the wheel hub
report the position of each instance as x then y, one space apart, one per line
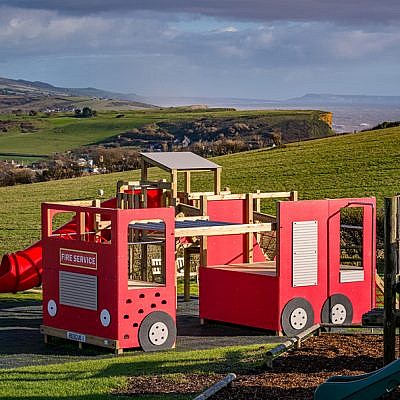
338 314
158 333
298 318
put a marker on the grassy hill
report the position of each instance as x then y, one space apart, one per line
62 132
362 164
39 96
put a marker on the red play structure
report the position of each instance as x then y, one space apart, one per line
109 273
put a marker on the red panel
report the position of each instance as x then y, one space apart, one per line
361 294
127 308
239 298
327 213
229 249
155 299
293 211
227 210
154 196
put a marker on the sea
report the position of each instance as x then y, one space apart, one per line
346 118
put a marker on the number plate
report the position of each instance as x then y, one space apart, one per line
76 336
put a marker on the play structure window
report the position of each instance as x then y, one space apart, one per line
83 226
146 253
59 222
351 237
351 244
267 241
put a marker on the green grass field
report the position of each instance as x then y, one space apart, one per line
60 133
97 379
362 164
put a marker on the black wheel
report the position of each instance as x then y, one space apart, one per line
337 310
157 332
297 316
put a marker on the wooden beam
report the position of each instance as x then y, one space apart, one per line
197 195
220 230
95 340
161 184
272 195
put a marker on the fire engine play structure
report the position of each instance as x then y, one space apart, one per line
281 273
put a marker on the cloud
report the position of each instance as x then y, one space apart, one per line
256 45
202 46
339 11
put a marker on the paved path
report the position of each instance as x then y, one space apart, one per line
21 343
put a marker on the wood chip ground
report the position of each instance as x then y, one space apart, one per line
295 375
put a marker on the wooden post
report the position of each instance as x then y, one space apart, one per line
249 235
257 203
143 172
217 180
187 182
186 275
257 208
174 186
82 225
390 279
203 239
96 218
293 195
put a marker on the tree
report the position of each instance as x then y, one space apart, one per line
86 112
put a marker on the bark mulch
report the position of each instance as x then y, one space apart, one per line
295 375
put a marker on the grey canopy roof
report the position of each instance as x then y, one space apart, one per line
179 161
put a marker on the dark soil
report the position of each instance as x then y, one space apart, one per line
295 375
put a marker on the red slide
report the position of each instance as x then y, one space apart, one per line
22 270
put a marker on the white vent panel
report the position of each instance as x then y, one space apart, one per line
78 290
305 253
352 276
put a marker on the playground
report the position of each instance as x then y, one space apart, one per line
109 269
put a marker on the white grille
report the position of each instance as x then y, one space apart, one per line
78 290
305 253
352 276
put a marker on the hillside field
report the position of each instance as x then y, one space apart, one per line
361 164
63 132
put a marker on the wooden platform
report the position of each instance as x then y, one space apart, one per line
133 284
259 268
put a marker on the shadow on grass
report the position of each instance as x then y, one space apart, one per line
170 363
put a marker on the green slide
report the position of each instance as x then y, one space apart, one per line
369 386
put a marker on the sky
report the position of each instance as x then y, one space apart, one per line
261 49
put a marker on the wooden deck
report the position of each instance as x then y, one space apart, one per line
267 268
142 284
